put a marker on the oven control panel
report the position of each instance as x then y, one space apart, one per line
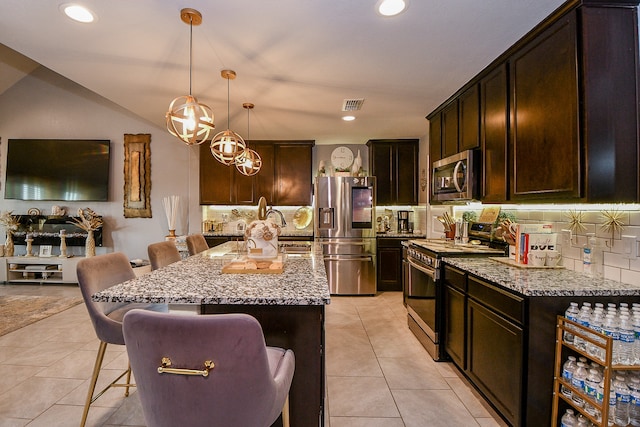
422 257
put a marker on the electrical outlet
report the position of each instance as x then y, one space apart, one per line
630 246
566 237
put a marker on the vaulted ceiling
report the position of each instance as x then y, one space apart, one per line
296 60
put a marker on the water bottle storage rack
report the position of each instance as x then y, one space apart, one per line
600 341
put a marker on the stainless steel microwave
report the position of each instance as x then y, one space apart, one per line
455 178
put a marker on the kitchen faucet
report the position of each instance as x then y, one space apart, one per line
270 211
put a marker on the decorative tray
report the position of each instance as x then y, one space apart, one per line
513 263
247 265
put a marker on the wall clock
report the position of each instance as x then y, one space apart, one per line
342 158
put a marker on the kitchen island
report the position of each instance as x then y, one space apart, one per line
289 306
502 320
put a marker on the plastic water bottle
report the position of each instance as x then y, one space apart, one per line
596 322
571 313
634 405
591 386
578 381
623 399
584 315
567 373
627 337
610 329
636 343
582 421
612 403
568 419
600 398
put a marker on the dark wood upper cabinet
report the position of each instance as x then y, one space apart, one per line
435 138
567 128
216 179
450 129
545 130
293 166
609 63
265 182
284 179
493 135
456 127
468 119
394 163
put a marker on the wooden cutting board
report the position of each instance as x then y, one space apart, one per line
239 266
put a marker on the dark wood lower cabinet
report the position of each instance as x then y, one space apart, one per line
508 342
216 240
389 264
301 329
495 363
455 315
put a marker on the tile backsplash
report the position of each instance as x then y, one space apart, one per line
232 219
619 265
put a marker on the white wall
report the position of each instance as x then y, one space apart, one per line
46 105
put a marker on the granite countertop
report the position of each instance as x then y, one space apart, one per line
198 280
547 282
284 233
402 235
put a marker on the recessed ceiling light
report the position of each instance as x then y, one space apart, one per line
348 118
391 7
78 13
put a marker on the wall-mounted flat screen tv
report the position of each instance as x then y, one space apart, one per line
57 169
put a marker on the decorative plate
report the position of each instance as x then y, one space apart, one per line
302 217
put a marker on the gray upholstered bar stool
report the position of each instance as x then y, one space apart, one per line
204 371
196 243
162 254
94 275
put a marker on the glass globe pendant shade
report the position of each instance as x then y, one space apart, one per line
249 162
227 146
189 120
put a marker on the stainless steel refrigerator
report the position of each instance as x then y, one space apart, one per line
344 226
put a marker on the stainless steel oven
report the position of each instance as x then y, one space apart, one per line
422 295
423 285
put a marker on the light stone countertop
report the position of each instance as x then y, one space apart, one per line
284 234
198 280
535 282
401 235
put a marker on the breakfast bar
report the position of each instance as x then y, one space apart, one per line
288 305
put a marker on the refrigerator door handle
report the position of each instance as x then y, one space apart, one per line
342 258
361 243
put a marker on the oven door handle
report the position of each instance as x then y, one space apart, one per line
429 272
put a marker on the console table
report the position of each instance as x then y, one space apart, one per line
22 269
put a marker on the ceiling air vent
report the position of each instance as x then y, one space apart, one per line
352 104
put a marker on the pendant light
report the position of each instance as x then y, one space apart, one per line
249 162
187 119
226 146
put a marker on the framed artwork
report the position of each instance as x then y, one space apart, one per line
137 175
45 251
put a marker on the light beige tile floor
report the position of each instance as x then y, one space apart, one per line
377 372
